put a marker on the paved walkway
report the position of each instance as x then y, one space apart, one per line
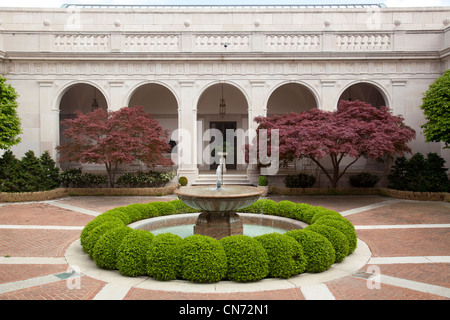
403 253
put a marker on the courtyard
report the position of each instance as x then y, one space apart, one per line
406 243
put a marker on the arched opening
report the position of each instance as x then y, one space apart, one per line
365 92
160 103
290 97
78 97
231 123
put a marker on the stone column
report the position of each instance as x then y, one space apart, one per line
187 132
116 95
48 120
328 95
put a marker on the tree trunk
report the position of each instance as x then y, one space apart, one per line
111 173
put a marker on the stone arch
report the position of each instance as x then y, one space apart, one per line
236 117
159 101
366 91
79 96
291 97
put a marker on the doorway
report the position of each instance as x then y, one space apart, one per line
228 130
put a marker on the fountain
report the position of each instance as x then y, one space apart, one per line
218 205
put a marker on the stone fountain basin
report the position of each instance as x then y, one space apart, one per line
227 199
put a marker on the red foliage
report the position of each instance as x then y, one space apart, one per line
115 137
355 129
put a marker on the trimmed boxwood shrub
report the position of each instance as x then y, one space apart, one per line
336 237
321 212
246 258
106 248
93 236
343 225
319 252
203 259
95 223
286 257
164 208
180 207
120 213
164 257
131 256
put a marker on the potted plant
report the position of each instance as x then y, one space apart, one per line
263 183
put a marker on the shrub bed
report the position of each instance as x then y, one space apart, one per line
113 245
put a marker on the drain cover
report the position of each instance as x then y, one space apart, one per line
67 275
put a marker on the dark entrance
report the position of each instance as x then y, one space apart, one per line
228 130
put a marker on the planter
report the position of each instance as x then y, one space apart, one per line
266 190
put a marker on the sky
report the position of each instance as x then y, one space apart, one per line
59 3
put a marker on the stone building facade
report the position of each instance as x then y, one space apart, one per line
178 62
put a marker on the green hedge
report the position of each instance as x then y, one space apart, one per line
246 257
112 245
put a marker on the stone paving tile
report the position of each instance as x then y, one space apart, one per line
351 288
41 214
59 290
437 274
143 294
407 242
17 272
338 203
405 212
102 204
36 243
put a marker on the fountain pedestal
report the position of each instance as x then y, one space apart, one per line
218 207
218 224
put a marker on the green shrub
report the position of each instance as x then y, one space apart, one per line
164 208
419 174
74 178
321 212
364 180
132 253
93 236
203 259
343 225
319 252
183 181
285 208
95 223
246 258
119 212
141 179
180 207
336 237
286 257
164 257
266 206
50 171
106 248
263 181
299 181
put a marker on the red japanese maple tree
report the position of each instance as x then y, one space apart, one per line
356 129
115 137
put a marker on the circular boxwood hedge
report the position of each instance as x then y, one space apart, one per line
113 245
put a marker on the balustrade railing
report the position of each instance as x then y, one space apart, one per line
222 42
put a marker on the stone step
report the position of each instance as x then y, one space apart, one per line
211 179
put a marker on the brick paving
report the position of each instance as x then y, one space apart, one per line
20 281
